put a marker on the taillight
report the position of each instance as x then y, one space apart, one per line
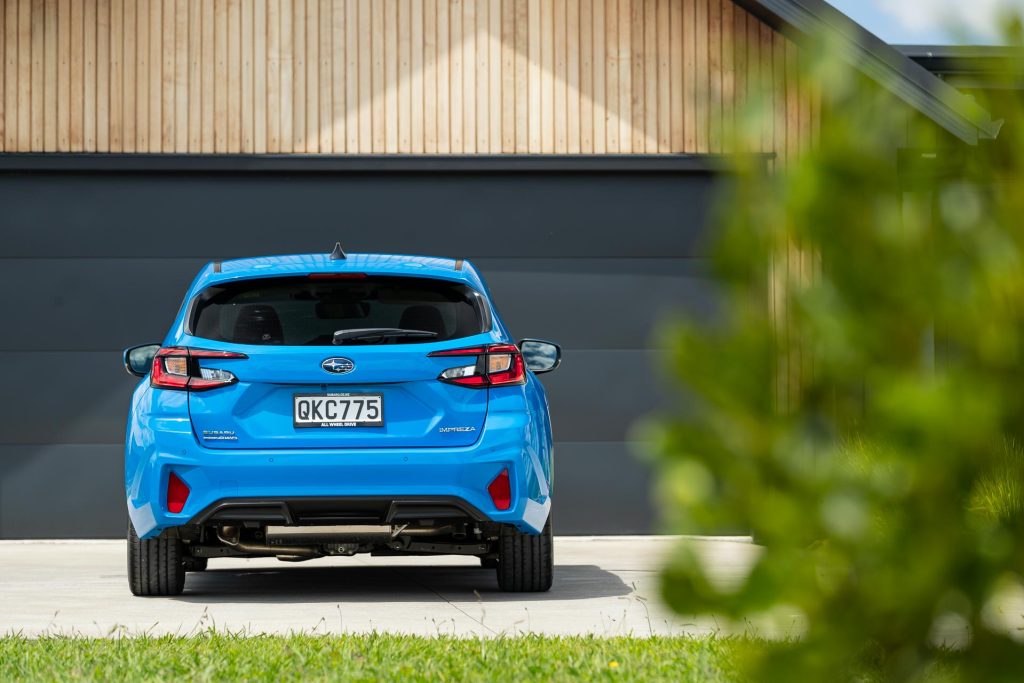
177 367
177 493
496 365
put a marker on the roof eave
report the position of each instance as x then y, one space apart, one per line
945 105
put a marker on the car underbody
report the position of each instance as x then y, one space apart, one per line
298 529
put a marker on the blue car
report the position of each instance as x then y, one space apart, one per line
329 404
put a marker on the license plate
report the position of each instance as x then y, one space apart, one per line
338 410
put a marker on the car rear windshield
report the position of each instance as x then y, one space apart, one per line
307 311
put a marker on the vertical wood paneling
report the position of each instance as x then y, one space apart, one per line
298 76
359 56
494 64
416 105
353 106
37 50
129 86
664 77
430 81
207 75
560 76
598 91
273 60
220 77
468 75
390 38
483 61
179 82
625 89
376 72
586 86
637 66
3 80
715 75
77 83
24 73
259 76
443 113
547 81
650 66
456 50
194 79
689 31
702 87
728 74
286 129
57 78
572 76
334 62
533 73
507 47
396 76
247 109
313 87
404 79
611 75
89 75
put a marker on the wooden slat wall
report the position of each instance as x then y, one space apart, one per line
394 76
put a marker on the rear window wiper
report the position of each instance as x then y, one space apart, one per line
342 336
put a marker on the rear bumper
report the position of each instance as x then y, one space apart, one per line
220 477
345 510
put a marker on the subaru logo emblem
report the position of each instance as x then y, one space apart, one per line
338 366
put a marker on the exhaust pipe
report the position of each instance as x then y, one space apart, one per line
231 536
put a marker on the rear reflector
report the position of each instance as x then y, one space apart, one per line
177 493
501 491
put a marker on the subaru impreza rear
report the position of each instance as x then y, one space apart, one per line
328 404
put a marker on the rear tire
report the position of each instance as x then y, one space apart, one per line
525 561
155 566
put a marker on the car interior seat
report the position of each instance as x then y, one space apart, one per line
258 324
422 317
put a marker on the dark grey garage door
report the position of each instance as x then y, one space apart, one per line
93 262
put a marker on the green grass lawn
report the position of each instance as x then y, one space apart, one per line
370 657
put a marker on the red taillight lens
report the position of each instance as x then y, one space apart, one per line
497 365
501 491
177 367
177 493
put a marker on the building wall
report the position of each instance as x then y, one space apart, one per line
393 76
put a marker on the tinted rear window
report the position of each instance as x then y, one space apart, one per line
299 311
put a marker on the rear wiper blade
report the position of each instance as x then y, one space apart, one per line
342 336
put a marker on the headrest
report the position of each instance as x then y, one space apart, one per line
426 318
258 324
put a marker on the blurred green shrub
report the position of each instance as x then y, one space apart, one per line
863 422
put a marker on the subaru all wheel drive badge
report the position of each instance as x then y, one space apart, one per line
338 366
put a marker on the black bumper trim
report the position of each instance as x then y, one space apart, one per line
297 511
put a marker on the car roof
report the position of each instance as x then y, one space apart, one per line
458 270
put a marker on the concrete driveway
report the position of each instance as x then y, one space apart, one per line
603 586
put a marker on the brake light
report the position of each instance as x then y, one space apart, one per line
337 276
496 365
500 491
177 493
177 367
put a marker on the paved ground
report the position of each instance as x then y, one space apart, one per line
603 586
